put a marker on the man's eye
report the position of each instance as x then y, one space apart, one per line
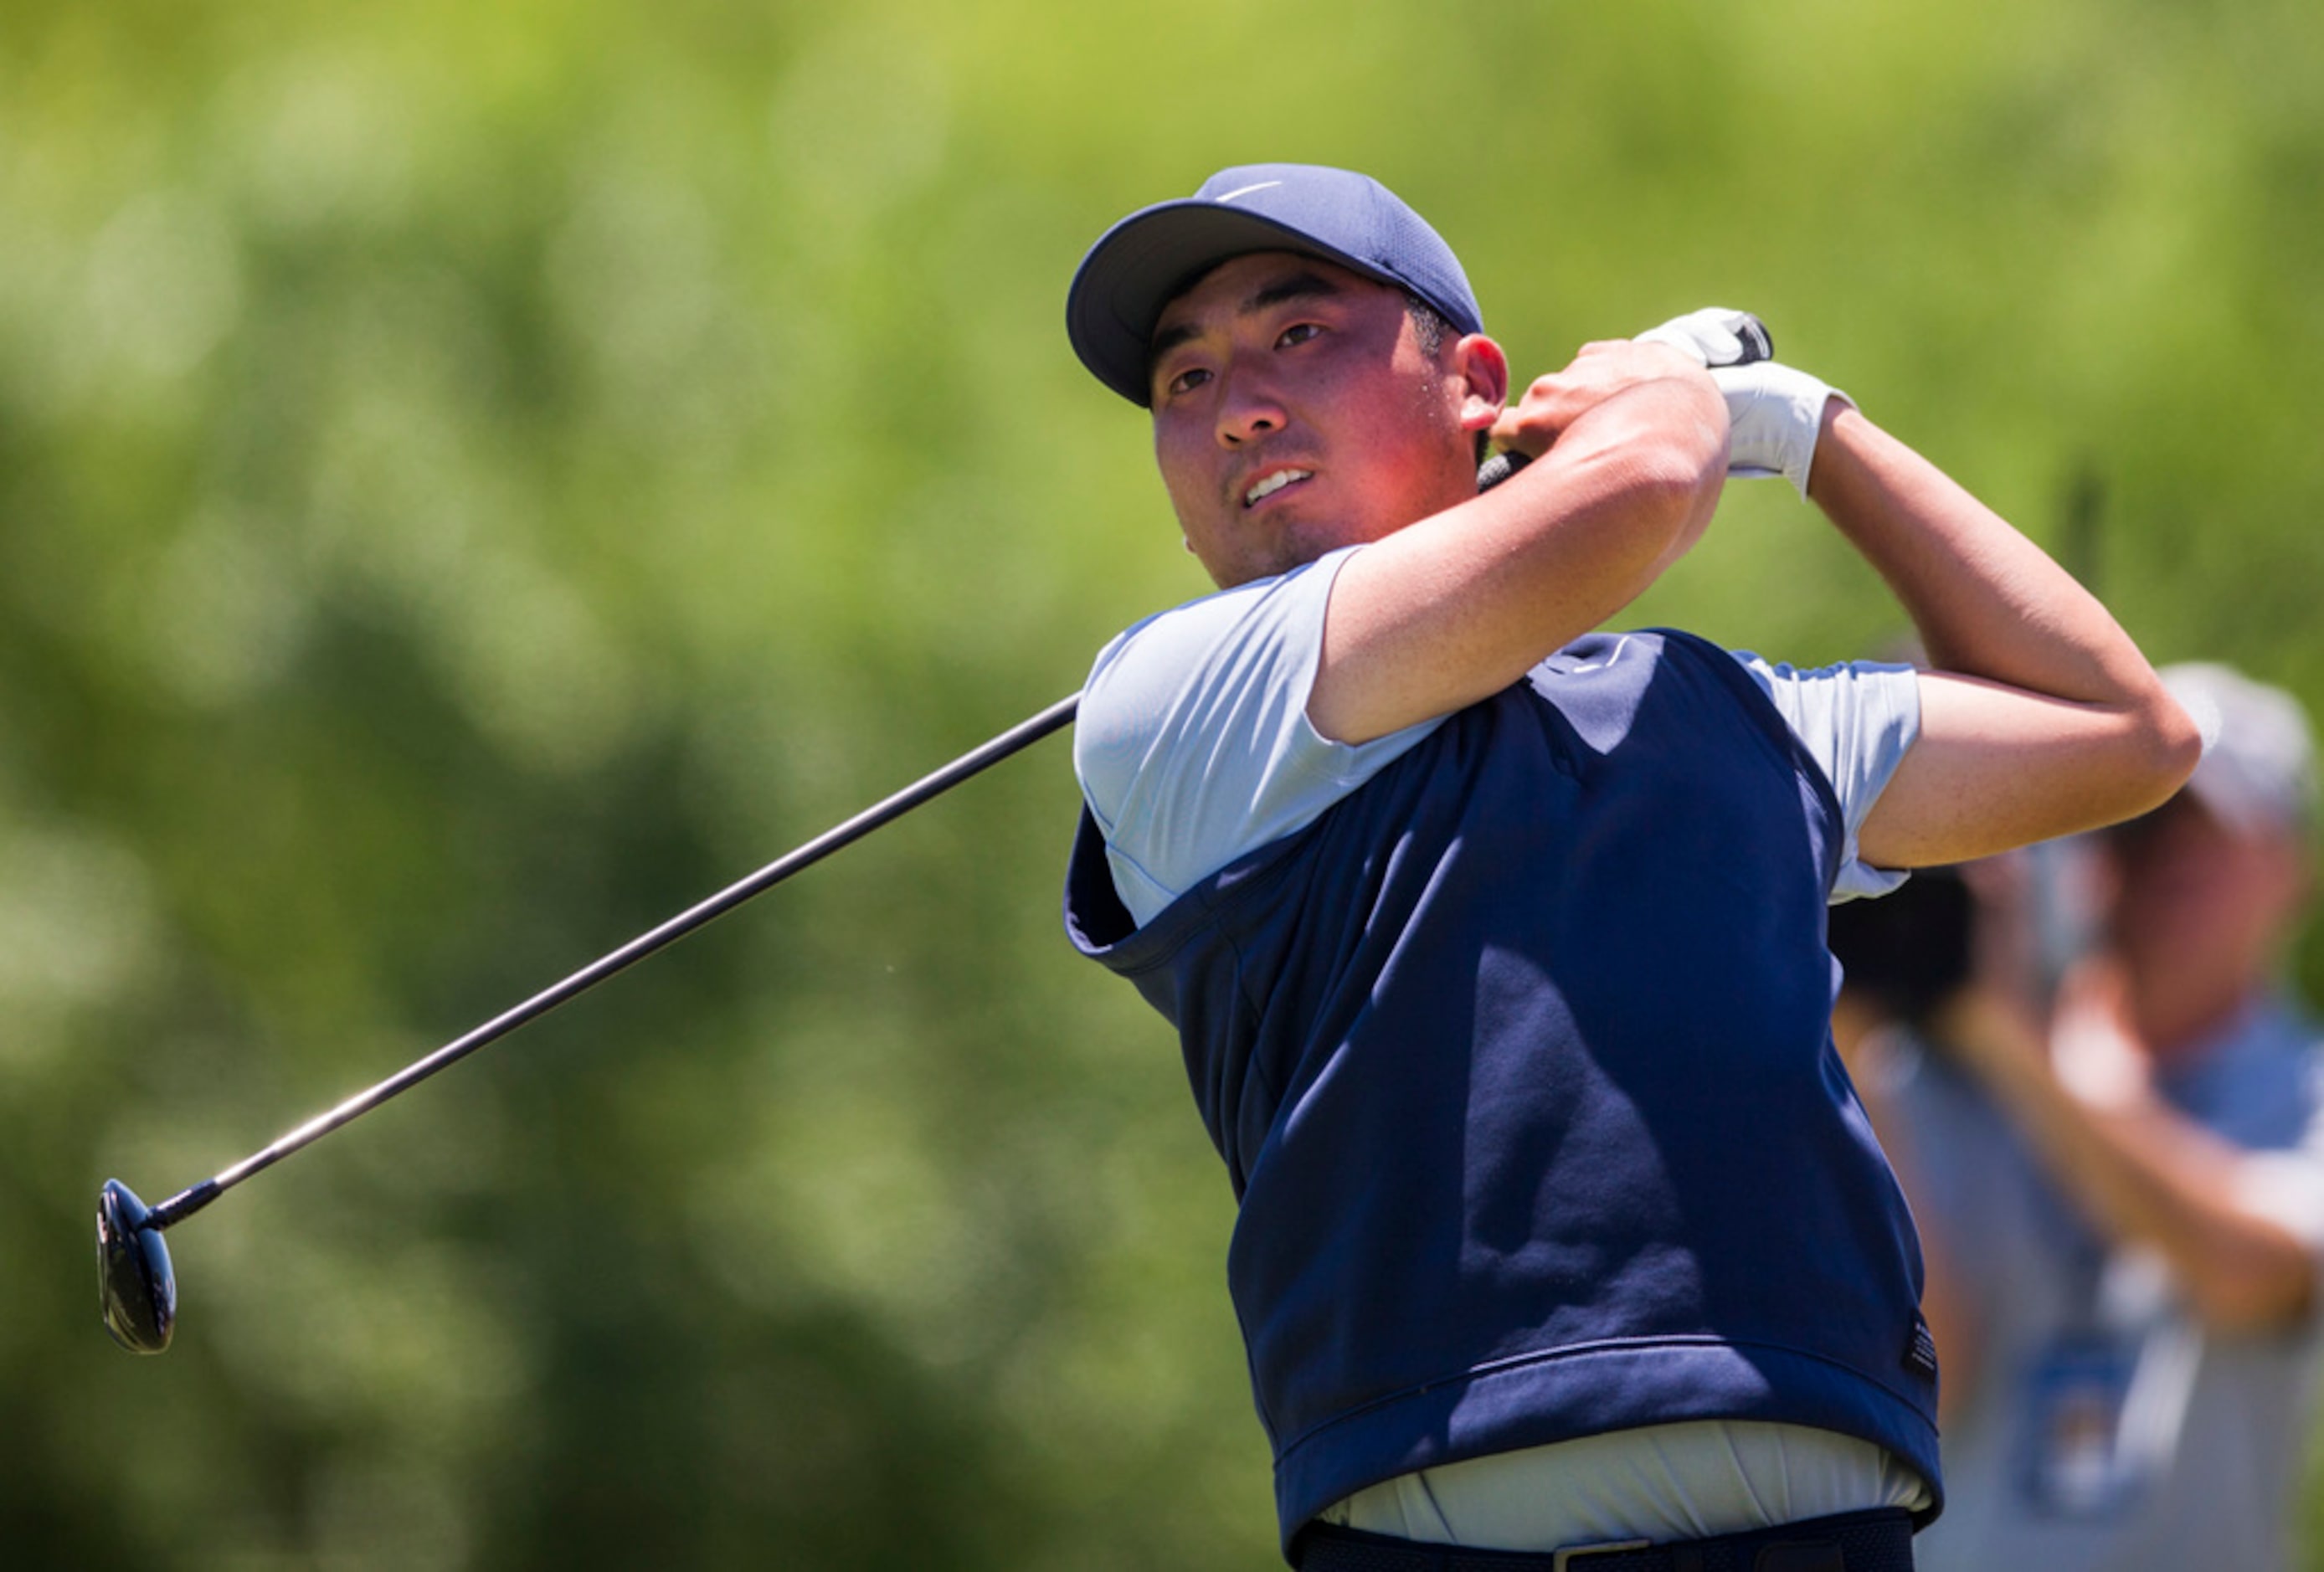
1187 380
1299 333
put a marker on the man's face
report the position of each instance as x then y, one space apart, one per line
1296 411
2198 897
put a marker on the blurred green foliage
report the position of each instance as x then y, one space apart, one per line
474 480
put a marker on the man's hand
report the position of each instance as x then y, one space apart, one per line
1555 402
1773 412
1715 336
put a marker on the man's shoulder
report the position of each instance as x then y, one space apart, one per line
1193 630
1187 627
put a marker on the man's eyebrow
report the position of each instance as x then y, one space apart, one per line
1298 286
1168 340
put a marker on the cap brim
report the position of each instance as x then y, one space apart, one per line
1148 260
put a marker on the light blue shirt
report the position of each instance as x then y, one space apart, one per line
1193 745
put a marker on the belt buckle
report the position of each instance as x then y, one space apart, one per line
1560 1560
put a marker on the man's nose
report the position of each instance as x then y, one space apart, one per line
1249 408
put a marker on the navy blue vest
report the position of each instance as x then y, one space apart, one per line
1519 1058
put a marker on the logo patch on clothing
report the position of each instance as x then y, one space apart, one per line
1921 1349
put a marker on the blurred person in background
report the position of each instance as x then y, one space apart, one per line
2116 1160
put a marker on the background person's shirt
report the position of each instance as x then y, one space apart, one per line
2109 1429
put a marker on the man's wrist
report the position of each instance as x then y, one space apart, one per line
1778 416
1831 442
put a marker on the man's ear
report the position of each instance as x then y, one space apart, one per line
1484 373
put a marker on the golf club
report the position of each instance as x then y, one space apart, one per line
137 1289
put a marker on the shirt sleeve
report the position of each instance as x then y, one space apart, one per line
1192 743
1856 719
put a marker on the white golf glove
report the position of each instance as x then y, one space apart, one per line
1774 414
1715 336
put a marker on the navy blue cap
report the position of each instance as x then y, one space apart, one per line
1145 262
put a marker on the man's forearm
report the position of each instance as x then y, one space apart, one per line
2140 1169
2042 718
1457 606
1987 603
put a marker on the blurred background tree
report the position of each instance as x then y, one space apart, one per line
474 478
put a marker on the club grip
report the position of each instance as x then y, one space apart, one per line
1499 468
1757 344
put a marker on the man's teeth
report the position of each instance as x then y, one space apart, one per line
1272 485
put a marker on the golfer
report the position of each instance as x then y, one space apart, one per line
1495 944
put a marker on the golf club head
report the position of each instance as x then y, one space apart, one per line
135 1288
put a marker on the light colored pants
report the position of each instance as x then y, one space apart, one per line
1660 1483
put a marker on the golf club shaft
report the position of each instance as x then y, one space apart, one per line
189 1201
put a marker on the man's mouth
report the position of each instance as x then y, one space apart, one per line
1274 483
